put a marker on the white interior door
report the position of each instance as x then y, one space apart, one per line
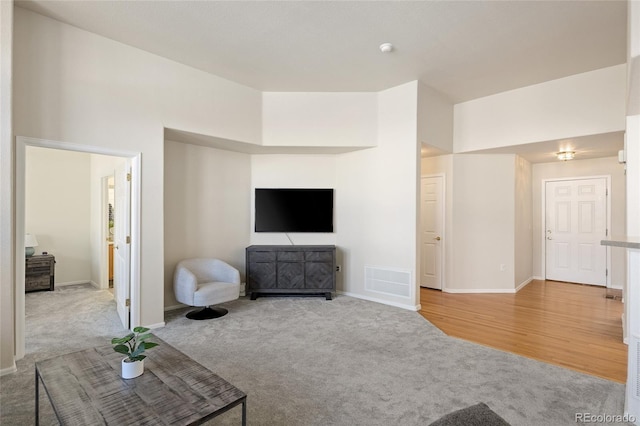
432 227
575 223
122 247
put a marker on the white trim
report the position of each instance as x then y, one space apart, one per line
174 307
8 370
103 263
543 216
20 151
154 326
524 284
384 302
96 285
480 290
538 278
136 236
444 230
66 283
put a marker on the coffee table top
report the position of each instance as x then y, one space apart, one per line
85 388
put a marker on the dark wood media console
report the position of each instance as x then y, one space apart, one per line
284 270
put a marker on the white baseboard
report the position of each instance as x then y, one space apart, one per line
157 325
414 308
174 307
539 278
95 284
479 290
8 370
74 283
523 284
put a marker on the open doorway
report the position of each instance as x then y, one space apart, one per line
108 206
98 259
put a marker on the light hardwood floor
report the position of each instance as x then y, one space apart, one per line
570 325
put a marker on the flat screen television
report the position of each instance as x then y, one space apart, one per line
294 210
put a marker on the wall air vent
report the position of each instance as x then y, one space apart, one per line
389 281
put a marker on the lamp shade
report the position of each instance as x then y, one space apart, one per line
30 240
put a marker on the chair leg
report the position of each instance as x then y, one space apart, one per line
207 313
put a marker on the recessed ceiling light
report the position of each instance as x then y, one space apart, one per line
386 47
566 155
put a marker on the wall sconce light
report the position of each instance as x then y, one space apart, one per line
566 155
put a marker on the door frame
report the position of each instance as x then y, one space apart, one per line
543 217
20 167
443 212
104 232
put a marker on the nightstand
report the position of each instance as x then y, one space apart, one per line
39 273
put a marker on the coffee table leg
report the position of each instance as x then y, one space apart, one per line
244 413
37 399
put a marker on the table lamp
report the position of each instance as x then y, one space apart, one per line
29 243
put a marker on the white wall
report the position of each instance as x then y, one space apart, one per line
57 208
583 104
294 171
632 305
583 168
483 222
101 166
435 118
443 164
7 250
523 244
377 194
78 87
207 196
319 119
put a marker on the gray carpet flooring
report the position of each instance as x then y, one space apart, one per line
308 361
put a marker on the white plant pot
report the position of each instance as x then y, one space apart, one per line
132 369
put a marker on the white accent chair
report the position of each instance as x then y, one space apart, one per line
205 282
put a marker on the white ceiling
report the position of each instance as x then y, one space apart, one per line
585 147
464 49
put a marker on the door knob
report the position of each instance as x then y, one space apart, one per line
549 238
437 238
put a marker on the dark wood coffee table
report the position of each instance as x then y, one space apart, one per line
85 388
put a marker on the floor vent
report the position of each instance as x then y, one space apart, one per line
394 282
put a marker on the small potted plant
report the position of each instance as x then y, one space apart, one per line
133 346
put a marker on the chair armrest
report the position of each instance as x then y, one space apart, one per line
224 272
185 285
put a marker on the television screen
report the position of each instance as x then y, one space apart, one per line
293 210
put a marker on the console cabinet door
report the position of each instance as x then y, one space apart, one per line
318 275
290 275
262 275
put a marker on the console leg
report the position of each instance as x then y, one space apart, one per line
244 412
253 296
327 296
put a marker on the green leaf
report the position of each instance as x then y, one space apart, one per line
140 330
121 349
121 340
149 345
144 337
137 358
